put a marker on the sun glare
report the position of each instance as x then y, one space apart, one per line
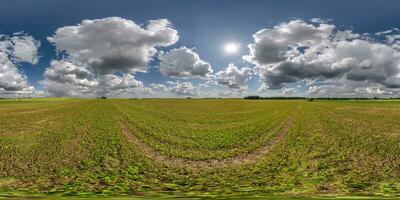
231 48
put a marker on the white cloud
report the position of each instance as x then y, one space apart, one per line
299 50
320 20
392 37
102 55
183 63
271 45
113 43
121 86
66 72
159 87
64 78
115 82
25 48
14 50
176 88
233 77
289 91
348 88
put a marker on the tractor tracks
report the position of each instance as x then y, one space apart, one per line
251 157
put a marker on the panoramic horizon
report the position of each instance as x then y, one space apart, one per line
136 49
199 99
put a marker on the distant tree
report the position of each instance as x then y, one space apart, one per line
310 99
188 97
252 97
103 97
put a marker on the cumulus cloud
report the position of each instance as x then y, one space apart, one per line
113 43
183 88
176 88
64 78
66 72
115 82
14 50
289 91
121 86
25 48
299 50
392 37
183 63
348 88
272 45
101 56
233 77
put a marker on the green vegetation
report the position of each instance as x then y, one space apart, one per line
199 147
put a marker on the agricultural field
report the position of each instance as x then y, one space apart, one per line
199 147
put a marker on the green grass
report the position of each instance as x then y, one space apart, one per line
199 147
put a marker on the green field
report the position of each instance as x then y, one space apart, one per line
196 147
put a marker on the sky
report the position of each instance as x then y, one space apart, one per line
180 48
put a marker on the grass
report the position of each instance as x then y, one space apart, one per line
190 148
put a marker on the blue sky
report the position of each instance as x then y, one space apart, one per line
205 25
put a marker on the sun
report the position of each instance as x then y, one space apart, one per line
231 48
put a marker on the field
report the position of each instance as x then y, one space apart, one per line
193 147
